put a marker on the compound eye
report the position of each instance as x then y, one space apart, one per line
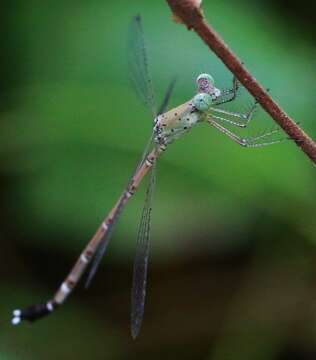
202 101
205 83
205 77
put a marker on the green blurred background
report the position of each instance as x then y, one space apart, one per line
233 265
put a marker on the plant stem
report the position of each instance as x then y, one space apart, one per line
189 13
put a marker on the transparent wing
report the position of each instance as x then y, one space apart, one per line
102 247
167 96
143 85
138 64
141 260
104 243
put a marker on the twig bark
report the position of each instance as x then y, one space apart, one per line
189 13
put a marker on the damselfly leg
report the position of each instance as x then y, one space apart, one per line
228 95
245 117
249 142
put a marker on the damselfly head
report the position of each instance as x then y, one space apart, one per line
202 101
203 80
205 83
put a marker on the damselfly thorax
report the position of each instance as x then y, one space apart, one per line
172 124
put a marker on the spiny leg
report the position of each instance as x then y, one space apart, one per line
228 95
231 122
233 90
246 142
247 116
244 115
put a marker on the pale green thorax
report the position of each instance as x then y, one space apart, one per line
172 124
202 101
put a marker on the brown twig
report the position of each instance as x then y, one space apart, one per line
189 13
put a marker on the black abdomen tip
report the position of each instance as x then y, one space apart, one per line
32 313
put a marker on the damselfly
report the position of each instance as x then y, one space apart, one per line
168 126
